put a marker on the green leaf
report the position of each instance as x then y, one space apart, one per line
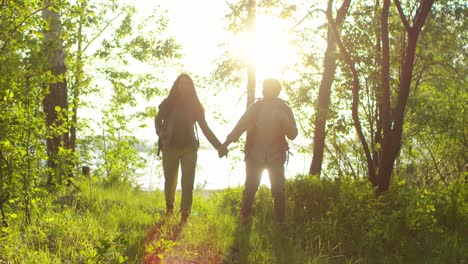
13 216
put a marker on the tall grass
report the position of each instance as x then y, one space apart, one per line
330 221
96 224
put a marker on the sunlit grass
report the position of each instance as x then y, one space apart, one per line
94 225
330 221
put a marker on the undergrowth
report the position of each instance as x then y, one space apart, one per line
329 221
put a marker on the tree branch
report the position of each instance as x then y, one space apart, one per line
19 25
102 30
356 87
230 6
308 14
421 14
434 161
402 16
342 11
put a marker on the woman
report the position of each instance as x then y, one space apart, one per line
178 139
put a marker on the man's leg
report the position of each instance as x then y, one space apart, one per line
170 159
277 181
188 164
253 171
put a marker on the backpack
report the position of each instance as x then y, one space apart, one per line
266 129
166 122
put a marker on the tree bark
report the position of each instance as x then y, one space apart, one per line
380 165
329 67
55 99
251 62
78 76
393 127
385 163
251 79
355 104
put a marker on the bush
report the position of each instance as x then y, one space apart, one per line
344 219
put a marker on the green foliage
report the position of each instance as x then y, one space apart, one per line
406 225
93 225
433 150
114 151
116 63
330 221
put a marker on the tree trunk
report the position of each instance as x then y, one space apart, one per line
55 100
78 76
385 165
374 121
329 66
380 166
393 124
251 62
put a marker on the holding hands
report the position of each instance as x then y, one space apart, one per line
223 150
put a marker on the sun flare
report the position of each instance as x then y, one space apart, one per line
267 47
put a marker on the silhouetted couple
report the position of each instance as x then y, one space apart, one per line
267 122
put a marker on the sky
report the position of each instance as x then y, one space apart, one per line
197 26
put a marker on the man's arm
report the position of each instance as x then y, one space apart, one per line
242 125
288 122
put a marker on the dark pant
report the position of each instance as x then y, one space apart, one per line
187 159
254 171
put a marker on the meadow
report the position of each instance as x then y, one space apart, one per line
329 221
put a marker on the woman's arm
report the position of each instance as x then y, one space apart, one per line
208 132
158 119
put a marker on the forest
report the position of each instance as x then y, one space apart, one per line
377 88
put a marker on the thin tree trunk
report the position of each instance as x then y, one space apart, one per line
392 141
386 146
376 134
329 67
251 62
78 77
355 104
55 99
380 166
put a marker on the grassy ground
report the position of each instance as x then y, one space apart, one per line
337 221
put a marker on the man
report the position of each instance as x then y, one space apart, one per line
267 123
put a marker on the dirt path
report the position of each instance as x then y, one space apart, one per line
162 244
161 237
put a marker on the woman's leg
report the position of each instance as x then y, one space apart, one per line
170 159
188 164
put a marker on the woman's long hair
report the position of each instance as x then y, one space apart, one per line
187 101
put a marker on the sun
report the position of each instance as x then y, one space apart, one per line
268 47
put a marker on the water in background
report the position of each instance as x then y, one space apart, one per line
214 173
